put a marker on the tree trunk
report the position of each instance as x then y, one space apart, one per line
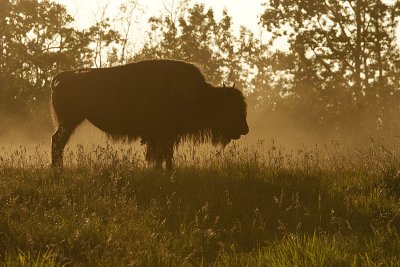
357 52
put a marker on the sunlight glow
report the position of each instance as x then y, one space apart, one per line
86 12
243 13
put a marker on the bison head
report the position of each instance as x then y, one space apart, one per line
230 118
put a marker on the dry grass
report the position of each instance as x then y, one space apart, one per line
328 206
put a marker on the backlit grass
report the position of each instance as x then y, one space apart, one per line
242 206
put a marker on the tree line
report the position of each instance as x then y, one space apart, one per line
339 75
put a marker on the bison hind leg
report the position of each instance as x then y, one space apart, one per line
58 142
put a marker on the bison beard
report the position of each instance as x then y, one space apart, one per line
159 101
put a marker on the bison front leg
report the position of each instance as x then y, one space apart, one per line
58 142
168 156
153 154
159 151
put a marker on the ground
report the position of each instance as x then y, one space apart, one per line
242 206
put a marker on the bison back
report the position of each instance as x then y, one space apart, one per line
136 99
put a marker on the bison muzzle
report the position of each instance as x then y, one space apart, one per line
159 101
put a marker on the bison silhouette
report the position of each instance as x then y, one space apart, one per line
159 101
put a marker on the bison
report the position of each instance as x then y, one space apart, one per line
159 101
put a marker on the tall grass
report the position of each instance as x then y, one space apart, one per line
241 206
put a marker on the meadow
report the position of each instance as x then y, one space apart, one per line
260 205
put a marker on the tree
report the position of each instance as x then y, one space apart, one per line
104 38
36 42
195 36
344 53
126 18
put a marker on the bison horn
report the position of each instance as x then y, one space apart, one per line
233 85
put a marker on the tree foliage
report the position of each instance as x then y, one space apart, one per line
344 60
37 40
196 36
339 75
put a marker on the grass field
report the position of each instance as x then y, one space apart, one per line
258 206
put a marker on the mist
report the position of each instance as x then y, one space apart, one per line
278 131
309 94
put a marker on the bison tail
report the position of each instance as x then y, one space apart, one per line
59 81
53 113
54 84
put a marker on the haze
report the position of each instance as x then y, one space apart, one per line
244 13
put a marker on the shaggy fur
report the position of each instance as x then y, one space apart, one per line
159 101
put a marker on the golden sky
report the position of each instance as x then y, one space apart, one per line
244 12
